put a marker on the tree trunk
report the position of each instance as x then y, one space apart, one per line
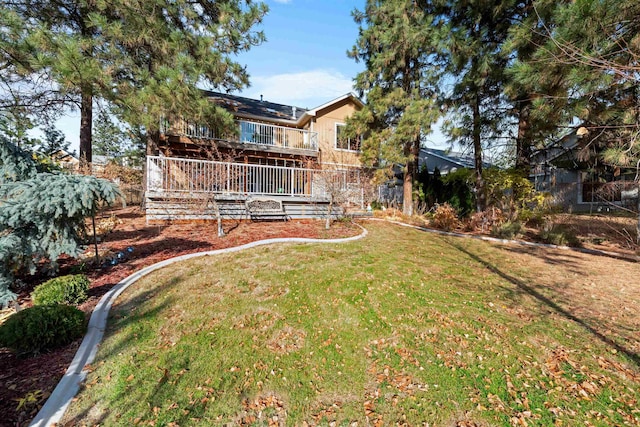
477 155
410 173
327 224
638 225
213 203
218 217
86 123
524 141
407 191
153 138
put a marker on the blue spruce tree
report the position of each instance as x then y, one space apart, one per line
42 213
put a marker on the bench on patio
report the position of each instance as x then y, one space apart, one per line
266 209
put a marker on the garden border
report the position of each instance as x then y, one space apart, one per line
56 405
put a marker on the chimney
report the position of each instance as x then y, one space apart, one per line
293 112
260 98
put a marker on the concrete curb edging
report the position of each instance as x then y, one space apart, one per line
54 408
623 257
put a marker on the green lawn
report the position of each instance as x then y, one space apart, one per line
402 327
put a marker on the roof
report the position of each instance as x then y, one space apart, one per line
260 109
559 147
248 107
461 159
447 161
63 156
346 96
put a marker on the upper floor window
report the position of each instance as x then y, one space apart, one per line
344 143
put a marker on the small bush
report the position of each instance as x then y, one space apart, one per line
559 235
508 230
485 220
445 217
42 327
376 205
71 289
532 217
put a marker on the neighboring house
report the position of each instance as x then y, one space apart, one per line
65 159
290 153
571 170
98 164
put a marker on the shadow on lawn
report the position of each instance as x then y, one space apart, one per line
566 258
530 290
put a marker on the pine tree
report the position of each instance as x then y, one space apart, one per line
108 139
400 107
536 89
54 140
41 213
596 45
120 143
145 57
15 125
471 49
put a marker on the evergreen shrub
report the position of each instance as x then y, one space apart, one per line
42 327
559 235
71 289
455 188
42 214
507 230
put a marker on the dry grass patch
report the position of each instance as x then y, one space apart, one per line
287 340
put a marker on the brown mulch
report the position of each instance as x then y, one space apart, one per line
26 383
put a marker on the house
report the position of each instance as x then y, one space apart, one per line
294 154
570 169
66 160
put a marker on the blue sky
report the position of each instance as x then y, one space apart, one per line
304 60
302 63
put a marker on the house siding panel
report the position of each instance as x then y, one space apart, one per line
325 125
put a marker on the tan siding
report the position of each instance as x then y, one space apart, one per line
325 125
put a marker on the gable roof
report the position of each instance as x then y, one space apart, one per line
344 97
63 156
447 161
250 108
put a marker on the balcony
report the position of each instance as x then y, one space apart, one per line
260 136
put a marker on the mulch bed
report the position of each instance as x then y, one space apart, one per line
26 383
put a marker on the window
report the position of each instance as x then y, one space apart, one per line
344 143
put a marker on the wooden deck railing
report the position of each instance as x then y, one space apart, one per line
248 133
174 175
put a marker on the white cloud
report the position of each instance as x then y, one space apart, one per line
306 89
282 1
